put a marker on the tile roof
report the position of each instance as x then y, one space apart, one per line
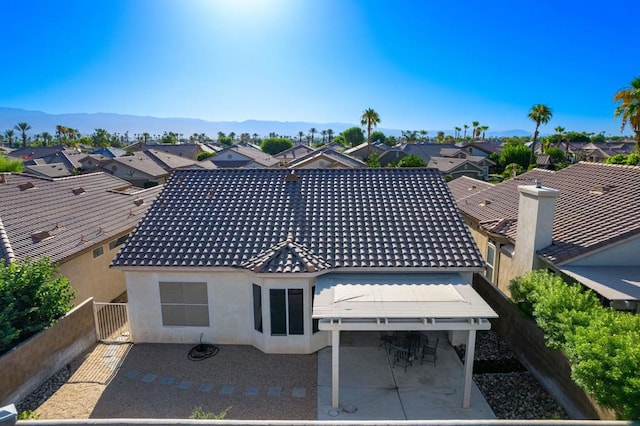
448 164
486 146
273 220
465 186
295 151
48 170
185 150
139 161
74 213
330 155
598 205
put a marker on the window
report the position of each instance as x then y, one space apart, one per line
184 304
98 251
287 308
491 261
316 321
118 242
257 308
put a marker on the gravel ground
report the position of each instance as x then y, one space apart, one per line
511 391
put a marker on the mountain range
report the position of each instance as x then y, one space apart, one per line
86 124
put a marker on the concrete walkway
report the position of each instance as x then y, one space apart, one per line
370 389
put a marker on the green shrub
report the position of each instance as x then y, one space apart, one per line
8 165
199 414
205 155
33 296
275 146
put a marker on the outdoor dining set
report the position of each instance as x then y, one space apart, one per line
405 347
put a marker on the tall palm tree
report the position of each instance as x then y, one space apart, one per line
466 127
629 108
369 118
324 136
329 135
300 135
559 131
9 135
540 114
313 131
457 131
23 127
483 129
475 125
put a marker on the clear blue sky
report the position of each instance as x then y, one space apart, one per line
421 64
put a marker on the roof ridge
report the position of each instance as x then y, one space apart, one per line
5 244
626 166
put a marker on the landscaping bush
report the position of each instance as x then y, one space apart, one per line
32 296
275 146
602 344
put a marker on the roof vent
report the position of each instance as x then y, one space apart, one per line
538 183
484 203
78 191
139 202
292 177
41 236
4 177
26 185
600 189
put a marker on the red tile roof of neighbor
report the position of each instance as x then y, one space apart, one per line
61 217
599 204
272 220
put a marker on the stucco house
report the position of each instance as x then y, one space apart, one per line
79 222
581 222
285 260
326 158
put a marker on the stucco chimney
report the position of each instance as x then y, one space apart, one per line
535 224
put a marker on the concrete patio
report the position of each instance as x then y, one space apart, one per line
370 389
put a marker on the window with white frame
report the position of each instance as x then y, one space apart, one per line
184 304
287 311
257 308
491 261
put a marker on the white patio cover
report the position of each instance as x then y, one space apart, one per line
381 302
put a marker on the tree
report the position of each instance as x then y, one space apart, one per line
8 165
23 127
629 108
274 146
369 118
423 135
515 153
329 135
354 136
559 132
411 161
466 127
558 157
483 129
9 135
410 136
46 138
374 160
440 137
456 132
378 136
324 136
539 114
300 136
475 125
342 140
33 296
101 137
313 131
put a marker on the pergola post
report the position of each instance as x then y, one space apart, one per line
335 368
468 368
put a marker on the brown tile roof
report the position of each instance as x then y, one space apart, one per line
275 221
465 186
598 205
62 217
330 155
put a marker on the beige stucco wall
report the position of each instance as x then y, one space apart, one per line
92 277
230 298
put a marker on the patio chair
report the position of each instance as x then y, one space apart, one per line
386 341
430 351
401 356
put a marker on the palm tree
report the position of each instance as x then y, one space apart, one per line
559 131
329 135
300 136
423 134
475 125
540 114
313 131
232 135
629 108
483 129
466 127
23 127
9 135
369 118
457 131
324 136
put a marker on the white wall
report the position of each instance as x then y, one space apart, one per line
230 297
623 254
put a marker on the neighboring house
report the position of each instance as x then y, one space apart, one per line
327 159
109 152
483 149
582 222
184 150
244 156
285 260
91 161
32 152
79 222
293 153
146 167
455 167
54 170
364 151
56 155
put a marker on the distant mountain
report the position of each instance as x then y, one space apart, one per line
120 123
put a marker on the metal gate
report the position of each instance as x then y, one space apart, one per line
112 322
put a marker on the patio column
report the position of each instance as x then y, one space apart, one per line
335 368
468 368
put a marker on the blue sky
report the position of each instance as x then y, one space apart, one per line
421 64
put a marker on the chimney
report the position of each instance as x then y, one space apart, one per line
535 224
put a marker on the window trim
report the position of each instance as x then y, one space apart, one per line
97 252
258 319
288 312
490 268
